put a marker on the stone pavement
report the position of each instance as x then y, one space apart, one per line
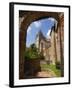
48 74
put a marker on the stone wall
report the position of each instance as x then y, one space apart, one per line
29 17
57 42
31 68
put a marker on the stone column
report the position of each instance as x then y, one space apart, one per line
22 46
61 52
53 47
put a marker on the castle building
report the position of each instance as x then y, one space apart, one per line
53 48
43 44
57 42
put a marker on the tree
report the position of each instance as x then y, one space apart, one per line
32 53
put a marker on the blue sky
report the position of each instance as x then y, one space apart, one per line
44 25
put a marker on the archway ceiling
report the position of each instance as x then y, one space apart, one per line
31 16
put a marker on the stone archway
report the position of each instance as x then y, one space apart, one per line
27 17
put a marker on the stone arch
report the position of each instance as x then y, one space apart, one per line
29 17
34 16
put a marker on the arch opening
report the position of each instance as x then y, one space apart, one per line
38 44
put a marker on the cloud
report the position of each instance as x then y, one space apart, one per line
48 33
29 29
37 24
51 19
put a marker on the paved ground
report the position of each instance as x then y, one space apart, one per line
46 74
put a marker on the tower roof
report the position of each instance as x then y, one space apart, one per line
41 36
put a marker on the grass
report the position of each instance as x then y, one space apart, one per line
51 67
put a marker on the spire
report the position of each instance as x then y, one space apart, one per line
39 33
54 25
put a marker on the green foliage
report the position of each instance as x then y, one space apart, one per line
41 56
32 53
58 65
51 67
57 71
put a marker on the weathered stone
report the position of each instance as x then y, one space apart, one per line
30 17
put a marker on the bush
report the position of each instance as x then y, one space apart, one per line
41 56
32 53
58 65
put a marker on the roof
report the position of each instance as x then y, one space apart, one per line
41 36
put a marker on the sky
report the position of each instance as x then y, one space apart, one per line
44 25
